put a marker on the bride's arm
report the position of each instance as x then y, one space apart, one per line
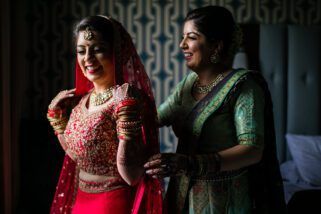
131 153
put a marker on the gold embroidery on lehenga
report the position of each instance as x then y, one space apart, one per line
92 139
109 184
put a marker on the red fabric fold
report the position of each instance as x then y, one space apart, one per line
66 188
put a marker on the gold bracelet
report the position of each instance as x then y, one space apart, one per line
58 125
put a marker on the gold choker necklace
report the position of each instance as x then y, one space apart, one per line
97 99
204 89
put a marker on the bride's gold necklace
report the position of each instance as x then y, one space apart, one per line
97 99
204 89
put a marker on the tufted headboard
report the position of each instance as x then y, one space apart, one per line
289 56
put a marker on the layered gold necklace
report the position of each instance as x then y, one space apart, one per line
204 89
97 99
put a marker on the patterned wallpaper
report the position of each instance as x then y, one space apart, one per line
155 26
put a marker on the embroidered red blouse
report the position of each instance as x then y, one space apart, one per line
91 136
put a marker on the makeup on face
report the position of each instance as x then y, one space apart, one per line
95 58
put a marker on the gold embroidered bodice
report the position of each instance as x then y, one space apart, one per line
91 138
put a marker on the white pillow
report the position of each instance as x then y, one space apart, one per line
306 154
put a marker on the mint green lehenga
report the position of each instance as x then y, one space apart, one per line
233 113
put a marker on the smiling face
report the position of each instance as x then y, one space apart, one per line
197 50
95 60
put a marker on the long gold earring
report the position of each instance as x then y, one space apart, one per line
215 58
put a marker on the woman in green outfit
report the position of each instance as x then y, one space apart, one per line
226 159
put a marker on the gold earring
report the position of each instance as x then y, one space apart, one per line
215 58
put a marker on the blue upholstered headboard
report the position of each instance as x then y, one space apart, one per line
290 60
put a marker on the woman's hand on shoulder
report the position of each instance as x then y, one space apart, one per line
167 164
64 99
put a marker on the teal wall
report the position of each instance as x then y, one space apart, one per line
155 27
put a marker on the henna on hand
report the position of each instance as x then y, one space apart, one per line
63 99
167 164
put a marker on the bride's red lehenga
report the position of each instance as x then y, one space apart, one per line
92 139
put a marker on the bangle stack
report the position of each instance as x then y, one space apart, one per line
57 120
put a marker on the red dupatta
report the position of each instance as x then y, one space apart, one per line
128 69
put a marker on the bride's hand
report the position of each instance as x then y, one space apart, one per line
63 99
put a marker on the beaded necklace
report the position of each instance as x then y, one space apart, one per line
97 99
204 89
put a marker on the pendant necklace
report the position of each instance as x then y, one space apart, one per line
204 89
